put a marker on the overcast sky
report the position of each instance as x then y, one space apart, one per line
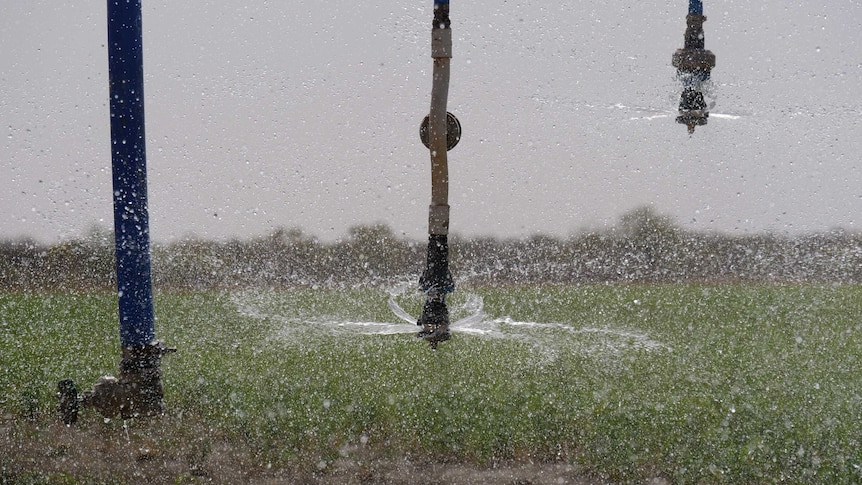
266 114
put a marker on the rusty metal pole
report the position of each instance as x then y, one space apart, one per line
441 130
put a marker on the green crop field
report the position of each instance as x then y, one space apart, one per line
684 383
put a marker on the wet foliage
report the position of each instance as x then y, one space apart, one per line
643 247
690 383
641 352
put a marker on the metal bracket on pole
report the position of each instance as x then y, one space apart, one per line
453 131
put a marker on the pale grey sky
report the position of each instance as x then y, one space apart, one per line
266 114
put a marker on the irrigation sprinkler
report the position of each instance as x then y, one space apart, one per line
693 64
440 131
138 390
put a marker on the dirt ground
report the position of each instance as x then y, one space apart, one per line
39 452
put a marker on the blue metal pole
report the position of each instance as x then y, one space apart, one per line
138 391
129 168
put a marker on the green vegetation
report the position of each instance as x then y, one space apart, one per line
644 247
694 383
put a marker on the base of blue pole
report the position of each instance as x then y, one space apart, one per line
136 393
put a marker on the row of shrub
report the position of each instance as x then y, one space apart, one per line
643 247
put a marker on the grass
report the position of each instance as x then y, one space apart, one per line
745 384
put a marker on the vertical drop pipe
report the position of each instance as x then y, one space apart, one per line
436 280
129 168
694 64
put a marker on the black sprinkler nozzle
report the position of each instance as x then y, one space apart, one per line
692 109
437 281
694 64
434 319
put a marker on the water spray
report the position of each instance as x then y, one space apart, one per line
137 392
693 65
440 131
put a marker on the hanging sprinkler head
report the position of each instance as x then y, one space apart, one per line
693 64
692 109
440 131
437 282
434 319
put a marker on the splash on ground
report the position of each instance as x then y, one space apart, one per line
468 318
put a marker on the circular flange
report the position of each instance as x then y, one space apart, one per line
453 131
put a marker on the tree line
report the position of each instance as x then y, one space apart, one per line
644 247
